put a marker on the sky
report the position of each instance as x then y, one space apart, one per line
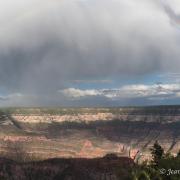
89 52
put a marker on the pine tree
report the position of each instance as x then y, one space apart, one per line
157 153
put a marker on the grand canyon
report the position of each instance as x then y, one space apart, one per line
89 132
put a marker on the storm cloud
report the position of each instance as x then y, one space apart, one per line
45 45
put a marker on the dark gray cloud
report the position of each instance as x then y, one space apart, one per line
44 45
175 18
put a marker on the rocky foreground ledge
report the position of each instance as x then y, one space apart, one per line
107 168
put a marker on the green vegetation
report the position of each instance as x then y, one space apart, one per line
164 166
157 153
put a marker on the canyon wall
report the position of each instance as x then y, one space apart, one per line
90 132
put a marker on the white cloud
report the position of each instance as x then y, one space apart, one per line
10 96
78 93
129 91
17 99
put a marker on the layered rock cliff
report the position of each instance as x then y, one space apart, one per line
90 132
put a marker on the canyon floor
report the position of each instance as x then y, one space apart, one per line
42 133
